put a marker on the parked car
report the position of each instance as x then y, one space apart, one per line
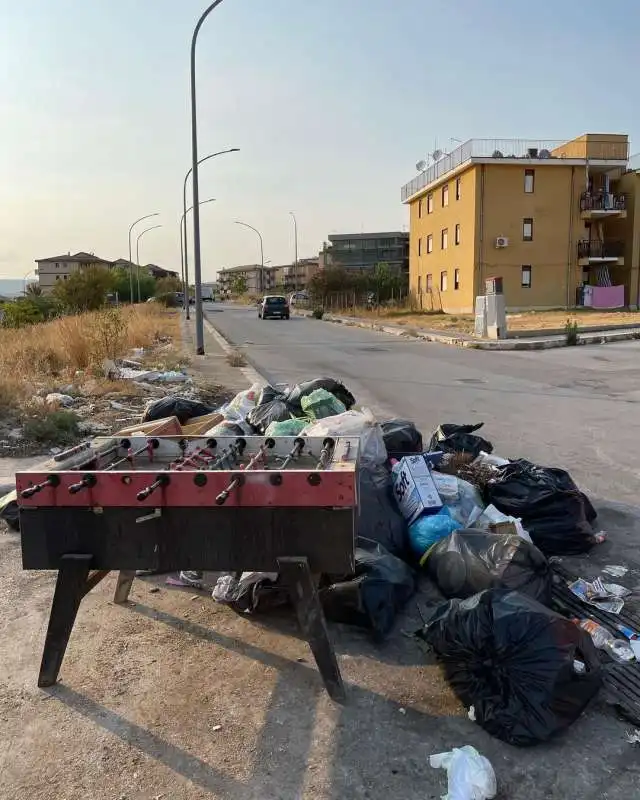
298 297
273 305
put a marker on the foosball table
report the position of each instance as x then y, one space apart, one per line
168 503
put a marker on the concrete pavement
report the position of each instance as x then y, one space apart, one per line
572 407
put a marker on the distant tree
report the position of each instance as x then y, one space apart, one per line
121 285
84 290
29 310
239 285
166 289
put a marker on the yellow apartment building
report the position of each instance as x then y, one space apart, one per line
559 222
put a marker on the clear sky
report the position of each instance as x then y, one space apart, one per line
332 103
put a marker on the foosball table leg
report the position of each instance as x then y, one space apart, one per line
295 574
71 586
123 587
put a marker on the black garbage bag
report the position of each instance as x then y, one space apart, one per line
336 388
267 394
452 438
375 595
180 407
401 437
512 659
9 509
468 561
556 513
260 417
378 517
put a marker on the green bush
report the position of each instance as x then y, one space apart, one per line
571 332
29 310
317 313
55 427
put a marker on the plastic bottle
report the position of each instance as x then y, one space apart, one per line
603 640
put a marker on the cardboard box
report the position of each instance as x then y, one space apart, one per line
414 488
158 427
200 425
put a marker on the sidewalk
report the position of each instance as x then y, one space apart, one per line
542 342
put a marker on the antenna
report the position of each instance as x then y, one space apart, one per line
421 165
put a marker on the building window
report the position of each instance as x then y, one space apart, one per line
419 245
419 284
57 266
420 208
429 282
457 235
430 243
57 277
527 229
430 203
445 195
529 180
443 281
444 238
525 280
458 188
64 277
456 279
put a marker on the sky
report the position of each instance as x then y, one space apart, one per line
331 103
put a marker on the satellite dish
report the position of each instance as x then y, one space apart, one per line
544 154
497 154
421 165
436 155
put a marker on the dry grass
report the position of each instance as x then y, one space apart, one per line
516 322
32 355
236 359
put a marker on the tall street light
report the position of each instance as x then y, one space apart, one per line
295 251
140 235
148 216
185 273
197 266
255 230
185 261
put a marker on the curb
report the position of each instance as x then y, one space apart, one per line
595 337
252 375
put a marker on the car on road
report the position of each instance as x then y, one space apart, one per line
273 305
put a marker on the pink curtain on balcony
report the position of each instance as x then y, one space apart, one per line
607 296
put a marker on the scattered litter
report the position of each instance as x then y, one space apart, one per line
154 589
116 406
605 596
453 438
604 640
320 404
470 776
57 398
615 570
600 537
472 714
633 737
402 710
180 407
194 597
337 389
152 376
216 728
373 452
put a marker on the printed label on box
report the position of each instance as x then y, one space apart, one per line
414 488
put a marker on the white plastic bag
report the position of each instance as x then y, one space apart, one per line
471 776
492 515
242 403
468 505
373 452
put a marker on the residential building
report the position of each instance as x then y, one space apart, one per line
258 279
59 268
550 218
364 250
297 276
160 272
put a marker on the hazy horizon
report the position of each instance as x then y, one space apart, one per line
331 104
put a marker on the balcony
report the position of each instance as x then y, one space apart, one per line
592 251
521 149
601 205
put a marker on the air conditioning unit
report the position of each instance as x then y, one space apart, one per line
502 241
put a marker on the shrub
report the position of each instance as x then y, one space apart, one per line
571 332
317 313
53 427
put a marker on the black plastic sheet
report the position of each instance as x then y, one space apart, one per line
378 515
512 659
469 561
180 407
556 513
401 437
452 438
262 416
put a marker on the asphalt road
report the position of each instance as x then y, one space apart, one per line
573 407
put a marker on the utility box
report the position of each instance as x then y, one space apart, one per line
493 286
480 328
496 317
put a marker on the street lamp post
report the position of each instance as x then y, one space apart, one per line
197 266
185 257
148 216
255 230
185 274
295 250
140 235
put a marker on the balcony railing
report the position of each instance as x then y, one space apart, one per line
592 248
602 201
515 148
